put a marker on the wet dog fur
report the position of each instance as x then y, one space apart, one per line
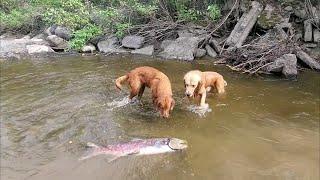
198 83
158 82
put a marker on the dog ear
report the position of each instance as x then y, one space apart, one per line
172 104
200 84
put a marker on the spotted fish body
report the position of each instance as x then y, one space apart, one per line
137 147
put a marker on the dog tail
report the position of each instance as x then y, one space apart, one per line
225 83
120 81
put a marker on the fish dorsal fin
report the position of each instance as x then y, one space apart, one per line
136 139
90 144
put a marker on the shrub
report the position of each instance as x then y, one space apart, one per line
80 37
213 12
22 19
121 28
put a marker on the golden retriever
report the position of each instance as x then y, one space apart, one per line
160 85
198 83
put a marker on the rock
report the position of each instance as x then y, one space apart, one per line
307 31
50 30
96 39
26 37
200 53
214 43
57 42
269 18
18 46
300 13
39 36
134 42
183 48
297 37
185 33
316 35
165 43
286 64
148 50
88 48
244 26
306 59
37 49
63 32
210 51
310 45
288 8
110 45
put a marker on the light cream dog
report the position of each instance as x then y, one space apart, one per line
198 83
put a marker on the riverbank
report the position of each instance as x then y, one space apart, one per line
250 37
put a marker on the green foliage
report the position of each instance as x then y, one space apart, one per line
17 18
213 12
70 13
121 28
83 35
106 17
88 18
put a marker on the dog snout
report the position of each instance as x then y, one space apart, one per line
188 94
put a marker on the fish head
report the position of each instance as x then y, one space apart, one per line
177 144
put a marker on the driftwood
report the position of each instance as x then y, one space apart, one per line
309 61
307 31
244 26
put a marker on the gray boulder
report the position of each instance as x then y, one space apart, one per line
18 46
39 36
57 42
286 64
88 48
148 50
210 51
134 42
110 45
50 30
38 49
183 48
63 32
200 53
165 43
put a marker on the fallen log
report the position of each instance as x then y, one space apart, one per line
244 26
309 61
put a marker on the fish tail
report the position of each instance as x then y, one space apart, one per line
92 151
121 80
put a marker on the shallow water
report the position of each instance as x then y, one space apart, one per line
262 128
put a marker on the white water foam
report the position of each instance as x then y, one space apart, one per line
117 103
199 110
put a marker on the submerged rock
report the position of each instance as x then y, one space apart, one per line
286 64
148 50
134 42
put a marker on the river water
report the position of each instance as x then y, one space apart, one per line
262 128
